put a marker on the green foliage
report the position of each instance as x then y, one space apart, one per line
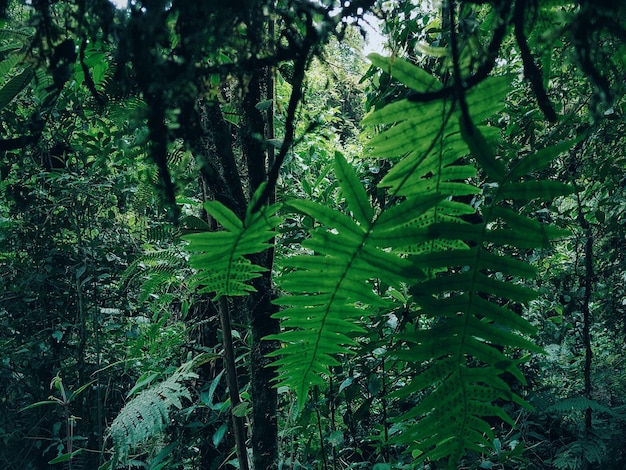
459 273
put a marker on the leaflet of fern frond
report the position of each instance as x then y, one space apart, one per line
315 343
354 192
538 160
405 169
505 265
449 258
481 393
456 172
427 435
446 151
479 425
263 221
209 241
400 237
486 98
529 190
406 212
321 281
498 336
448 344
337 324
501 315
487 354
409 74
517 238
391 268
433 245
382 262
300 300
516 221
414 136
504 290
450 449
458 230
475 441
458 282
15 85
400 111
481 150
430 376
478 408
328 217
223 215
422 187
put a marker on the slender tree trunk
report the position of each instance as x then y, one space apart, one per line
587 322
587 283
259 157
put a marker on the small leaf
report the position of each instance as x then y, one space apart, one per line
65 457
336 438
345 384
218 436
241 409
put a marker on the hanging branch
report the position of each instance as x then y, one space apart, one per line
300 65
531 71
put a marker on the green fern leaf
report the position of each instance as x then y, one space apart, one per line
221 257
539 159
328 289
410 75
458 360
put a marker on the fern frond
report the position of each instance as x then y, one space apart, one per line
328 290
471 281
581 403
148 414
221 257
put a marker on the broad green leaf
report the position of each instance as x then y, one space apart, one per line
14 86
353 191
410 75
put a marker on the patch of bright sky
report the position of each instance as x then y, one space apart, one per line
119 3
374 41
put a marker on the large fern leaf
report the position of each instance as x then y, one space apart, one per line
330 287
221 258
459 361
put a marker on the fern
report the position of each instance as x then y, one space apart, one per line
148 414
329 290
581 403
462 350
154 270
221 258
460 273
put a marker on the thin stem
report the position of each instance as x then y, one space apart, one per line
239 430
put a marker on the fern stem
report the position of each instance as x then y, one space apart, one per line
239 430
